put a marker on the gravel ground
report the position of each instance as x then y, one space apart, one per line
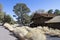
5 34
52 38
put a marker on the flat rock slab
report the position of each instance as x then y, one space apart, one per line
5 34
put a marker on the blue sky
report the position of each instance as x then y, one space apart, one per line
32 4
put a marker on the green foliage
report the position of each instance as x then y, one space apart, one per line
7 18
57 11
26 19
12 21
20 9
1 16
50 11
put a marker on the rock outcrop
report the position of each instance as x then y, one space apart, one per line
35 35
27 33
8 26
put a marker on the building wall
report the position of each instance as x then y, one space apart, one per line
54 25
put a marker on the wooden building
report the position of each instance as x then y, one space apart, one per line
54 22
39 19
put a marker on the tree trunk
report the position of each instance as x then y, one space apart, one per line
22 19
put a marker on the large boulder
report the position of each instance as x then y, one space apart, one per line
20 31
27 33
8 26
57 32
40 27
35 34
54 32
46 30
15 25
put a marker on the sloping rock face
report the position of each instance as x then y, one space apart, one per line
27 33
20 31
35 35
8 26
